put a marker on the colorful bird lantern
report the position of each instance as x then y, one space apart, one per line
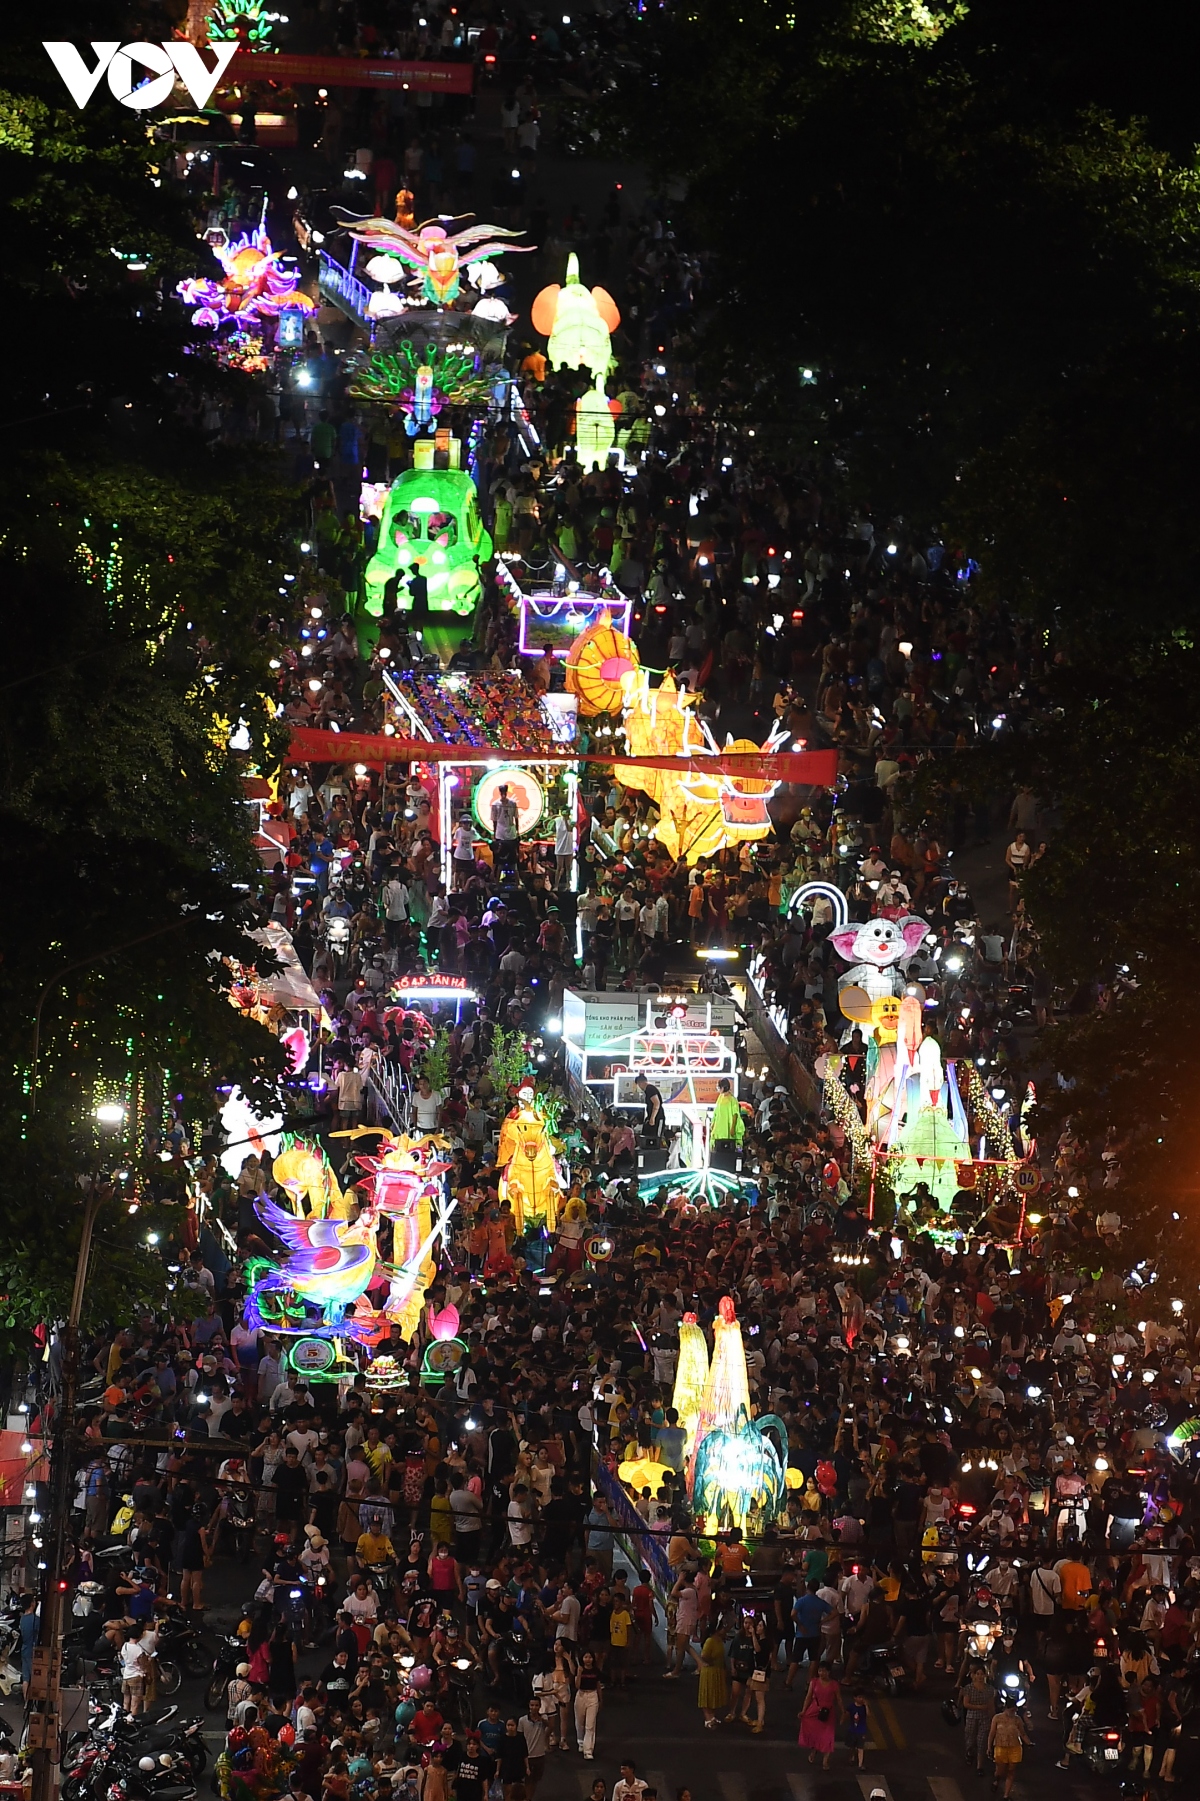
437 256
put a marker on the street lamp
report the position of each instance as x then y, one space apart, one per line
110 1114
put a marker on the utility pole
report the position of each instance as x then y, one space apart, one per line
45 1688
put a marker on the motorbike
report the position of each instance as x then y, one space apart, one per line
882 1668
1102 1748
239 1516
231 1651
180 1738
154 1756
1010 1692
457 1689
182 1647
85 1598
148 1782
516 1664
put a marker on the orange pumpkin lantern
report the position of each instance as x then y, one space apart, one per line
599 664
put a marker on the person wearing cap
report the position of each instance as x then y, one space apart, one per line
237 1692
314 1559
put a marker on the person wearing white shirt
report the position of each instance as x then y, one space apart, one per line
288 1392
305 1441
856 1591
628 1787
270 1372
564 848
427 1105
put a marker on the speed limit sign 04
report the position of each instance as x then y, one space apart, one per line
1027 1179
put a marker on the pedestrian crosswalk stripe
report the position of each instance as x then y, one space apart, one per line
801 1785
877 1740
893 1725
585 1779
657 1779
944 1788
732 1785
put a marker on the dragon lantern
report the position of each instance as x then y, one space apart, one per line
254 285
332 1258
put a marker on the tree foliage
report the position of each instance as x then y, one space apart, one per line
143 574
895 198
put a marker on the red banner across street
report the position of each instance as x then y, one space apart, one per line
348 72
816 768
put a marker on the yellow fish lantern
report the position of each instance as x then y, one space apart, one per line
601 667
725 809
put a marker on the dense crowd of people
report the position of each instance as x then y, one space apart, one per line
989 1480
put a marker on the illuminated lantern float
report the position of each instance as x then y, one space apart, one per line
254 286
320 1286
738 1466
579 322
601 667
699 813
436 257
430 518
529 1176
691 1377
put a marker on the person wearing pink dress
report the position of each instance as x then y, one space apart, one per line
819 1716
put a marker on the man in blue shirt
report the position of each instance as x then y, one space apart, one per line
808 1612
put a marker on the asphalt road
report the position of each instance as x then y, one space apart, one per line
912 1755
